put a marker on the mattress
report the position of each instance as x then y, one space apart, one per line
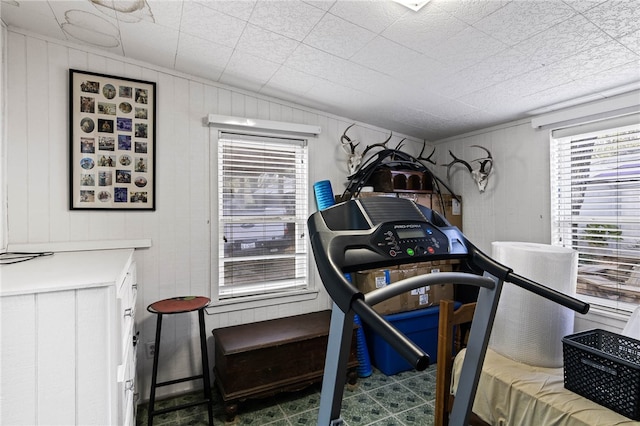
516 394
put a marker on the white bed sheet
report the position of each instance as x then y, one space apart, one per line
516 394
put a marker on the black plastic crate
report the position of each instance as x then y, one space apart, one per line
605 368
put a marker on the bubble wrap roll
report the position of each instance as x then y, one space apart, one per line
529 328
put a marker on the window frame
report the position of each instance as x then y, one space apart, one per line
218 127
564 136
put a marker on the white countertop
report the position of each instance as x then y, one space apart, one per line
64 271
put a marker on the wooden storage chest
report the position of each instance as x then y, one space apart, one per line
264 358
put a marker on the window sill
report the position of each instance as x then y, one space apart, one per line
251 302
80 245
601 317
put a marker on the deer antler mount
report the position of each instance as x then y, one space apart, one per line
354 159
480 174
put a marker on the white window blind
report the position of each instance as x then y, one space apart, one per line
596 207
262 210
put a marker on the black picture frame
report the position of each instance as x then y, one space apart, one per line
112 134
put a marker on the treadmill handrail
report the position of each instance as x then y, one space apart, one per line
381 294
505 273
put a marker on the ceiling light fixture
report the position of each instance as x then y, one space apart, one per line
414 5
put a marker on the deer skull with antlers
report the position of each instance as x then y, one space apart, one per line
354 159
480 175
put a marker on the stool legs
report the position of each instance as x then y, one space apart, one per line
205 376
154 372
206 380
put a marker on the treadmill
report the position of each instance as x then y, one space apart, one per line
379 232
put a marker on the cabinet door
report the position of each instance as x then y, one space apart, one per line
18 360
56 319
96 360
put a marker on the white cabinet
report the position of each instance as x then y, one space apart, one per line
68 349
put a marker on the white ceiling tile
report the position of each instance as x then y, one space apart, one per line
616 17
240 82
337 36
596 60
452 108
313 61
250 67
404 64
470 11
361 78
537 80
82 22
150 42
237 8
412 116
563 40
476 117
456 87
59 7
201 57
425 72
520 20
266 44
631 41
321 4
372 15
497 100
423 30
412 96
466 48
32 15
331 68
329 92
386 56
290 80
293 18
505 65
129 12
166 13
583 5
210 24
93 29
559 94
341 99
632 83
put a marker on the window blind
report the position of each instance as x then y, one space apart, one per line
263 203
596 206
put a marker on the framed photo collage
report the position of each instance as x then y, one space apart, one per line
112 133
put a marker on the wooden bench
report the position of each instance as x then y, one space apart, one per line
261 359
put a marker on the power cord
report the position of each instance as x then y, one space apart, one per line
10 258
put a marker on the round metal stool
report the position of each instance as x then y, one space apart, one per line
177 305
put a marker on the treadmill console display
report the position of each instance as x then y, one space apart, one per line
410 239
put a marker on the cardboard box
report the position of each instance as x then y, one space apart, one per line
452 208
419 298
370 280
427 296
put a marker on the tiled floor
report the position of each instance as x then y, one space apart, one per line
406 399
